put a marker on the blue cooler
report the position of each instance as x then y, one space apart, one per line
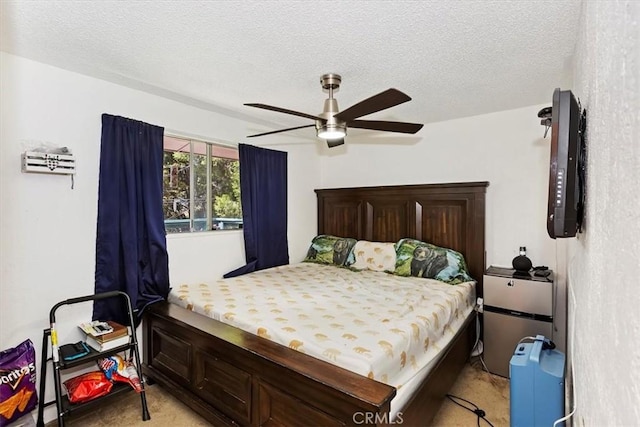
537 384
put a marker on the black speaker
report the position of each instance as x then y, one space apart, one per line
521 263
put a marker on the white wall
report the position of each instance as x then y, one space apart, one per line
604 261
47 229
506 148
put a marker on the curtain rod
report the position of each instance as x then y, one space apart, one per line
184 135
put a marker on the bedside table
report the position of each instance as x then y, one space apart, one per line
515 306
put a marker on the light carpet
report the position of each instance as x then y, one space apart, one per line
489 392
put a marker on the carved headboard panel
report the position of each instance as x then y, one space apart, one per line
447 215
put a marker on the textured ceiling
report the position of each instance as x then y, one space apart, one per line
454 58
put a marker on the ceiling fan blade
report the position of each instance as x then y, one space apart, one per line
388 98
401 127
278 131
284 110
335 142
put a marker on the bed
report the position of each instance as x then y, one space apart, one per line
233 377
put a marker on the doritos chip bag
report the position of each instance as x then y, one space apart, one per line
17 382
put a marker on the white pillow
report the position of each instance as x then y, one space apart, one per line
376 256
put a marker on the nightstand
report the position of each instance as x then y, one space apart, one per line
515 306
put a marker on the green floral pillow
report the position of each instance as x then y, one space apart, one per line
326 249
420 259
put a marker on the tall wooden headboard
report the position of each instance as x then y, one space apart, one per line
447 215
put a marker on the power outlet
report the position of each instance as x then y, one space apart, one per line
480 305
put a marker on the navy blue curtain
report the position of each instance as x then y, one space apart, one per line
263 190
131 247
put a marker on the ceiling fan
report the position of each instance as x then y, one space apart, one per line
331 125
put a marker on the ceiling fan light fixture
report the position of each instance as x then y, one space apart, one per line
331 125
332 132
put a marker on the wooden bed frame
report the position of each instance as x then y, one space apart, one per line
232 377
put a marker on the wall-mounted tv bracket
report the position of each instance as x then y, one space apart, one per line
545 115
582 166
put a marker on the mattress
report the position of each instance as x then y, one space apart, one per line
385 327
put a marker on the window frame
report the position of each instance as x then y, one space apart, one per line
209 156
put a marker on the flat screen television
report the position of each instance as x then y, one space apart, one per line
565 209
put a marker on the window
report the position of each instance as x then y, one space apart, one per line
201 186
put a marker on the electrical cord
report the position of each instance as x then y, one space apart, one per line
485 365
478 346
476 410
490 375
570 345
475 345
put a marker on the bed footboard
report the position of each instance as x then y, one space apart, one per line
231 377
